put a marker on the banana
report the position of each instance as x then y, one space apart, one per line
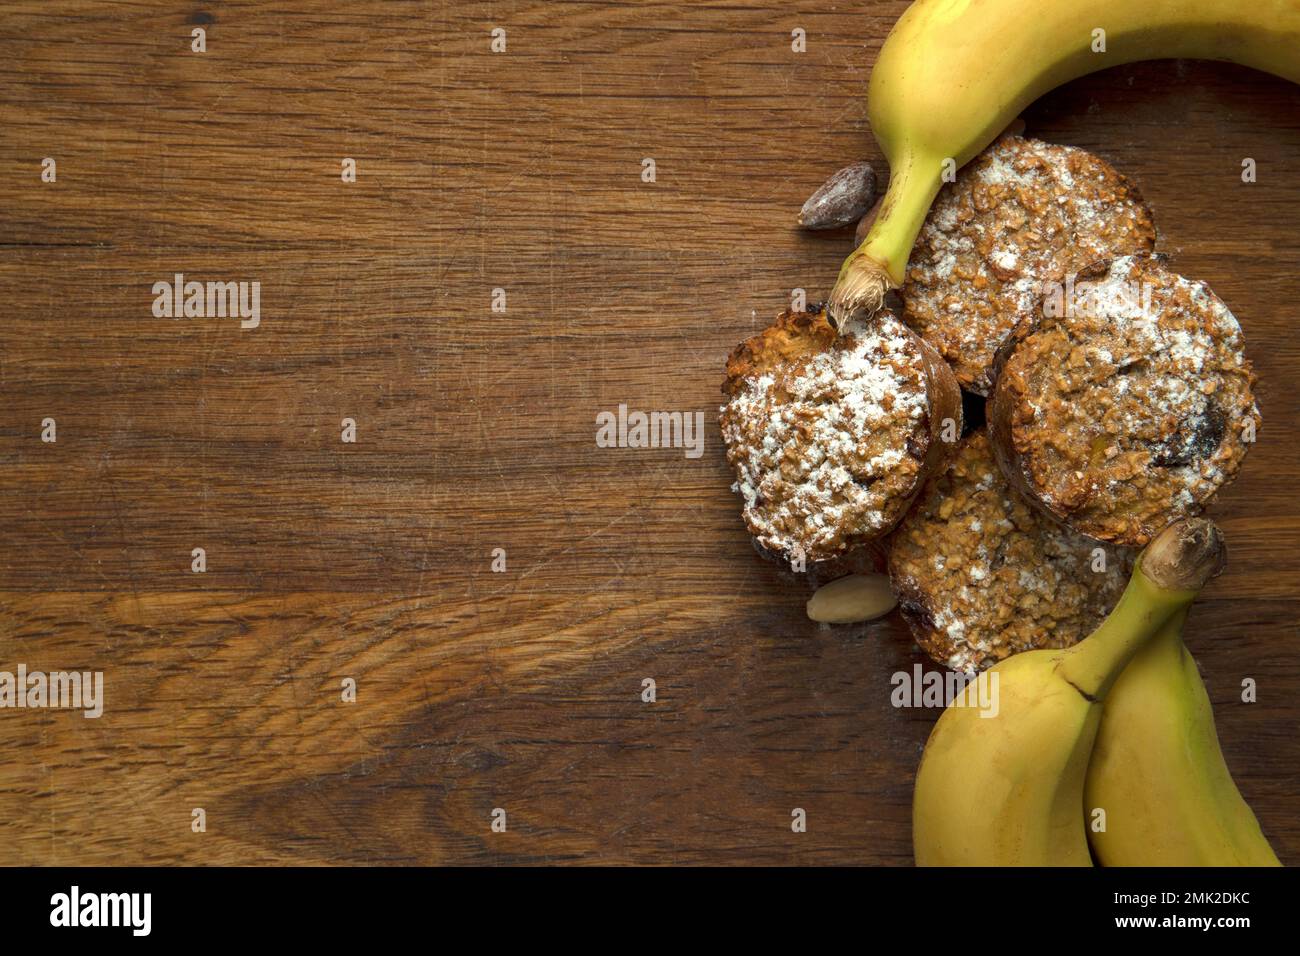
1004 786
1159 774
953 73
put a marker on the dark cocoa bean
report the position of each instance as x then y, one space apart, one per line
842 200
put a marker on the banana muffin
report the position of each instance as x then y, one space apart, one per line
831 437
1128 403
1021 213
981 575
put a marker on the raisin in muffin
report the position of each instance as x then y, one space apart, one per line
831 436
1021 213
1128 403
981 575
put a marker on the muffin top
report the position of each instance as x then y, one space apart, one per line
980 575
1021 213
827 434
1129 403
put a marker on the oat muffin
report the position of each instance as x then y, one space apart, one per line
832 436
1128 403
981 575
1021 213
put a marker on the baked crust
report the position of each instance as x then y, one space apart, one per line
980 574
793 337
831 436
1021 213
1127 403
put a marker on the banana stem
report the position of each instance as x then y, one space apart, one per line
1093 665
880 263
1166 579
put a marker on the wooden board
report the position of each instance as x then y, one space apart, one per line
519 171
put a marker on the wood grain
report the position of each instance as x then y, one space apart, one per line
372 560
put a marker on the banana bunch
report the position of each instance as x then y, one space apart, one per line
953 73
1020 784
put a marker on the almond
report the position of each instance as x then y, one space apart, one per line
852 599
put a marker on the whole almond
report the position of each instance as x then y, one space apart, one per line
842 200
852 599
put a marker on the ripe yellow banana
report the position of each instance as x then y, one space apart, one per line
1005 786
953 73
1159 774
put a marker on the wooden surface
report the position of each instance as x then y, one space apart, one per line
522 170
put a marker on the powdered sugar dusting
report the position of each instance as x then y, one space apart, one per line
1010 580
1021 213
1141 393
820 445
